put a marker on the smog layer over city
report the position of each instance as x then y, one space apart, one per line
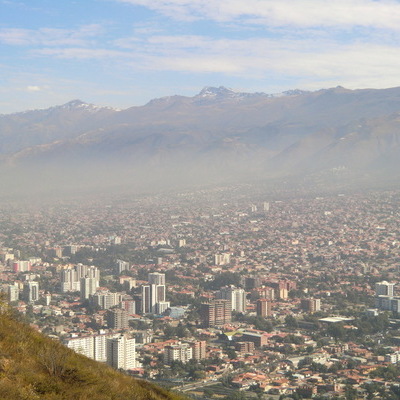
199 200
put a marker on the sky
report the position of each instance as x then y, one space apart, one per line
123 53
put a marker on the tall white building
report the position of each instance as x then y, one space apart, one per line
88 287
13 292
94 347
384 288
122 266
82 345
236 296
106 299
153 294
156 278
121 352
222 259
161 307
179 352
71 277
69 280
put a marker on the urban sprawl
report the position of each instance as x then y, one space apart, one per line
219 294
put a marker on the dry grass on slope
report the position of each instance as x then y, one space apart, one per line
34 367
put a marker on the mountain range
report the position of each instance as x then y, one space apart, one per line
218 135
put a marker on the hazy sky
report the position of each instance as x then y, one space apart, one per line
126 52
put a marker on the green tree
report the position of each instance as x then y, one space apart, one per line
336 330
236 396
291 322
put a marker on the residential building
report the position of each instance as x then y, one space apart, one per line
199 349
264 308
88 287
384 288
153 294
106 299
122 266
121 352
310 305
117 318
31 291
72 275
21 266
179 352
216 313
236 296
13 292
156 278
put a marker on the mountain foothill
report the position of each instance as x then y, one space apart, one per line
216 136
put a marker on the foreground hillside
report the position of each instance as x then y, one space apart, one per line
33 366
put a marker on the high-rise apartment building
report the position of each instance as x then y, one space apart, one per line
384 288
128 304
106 299
282 288
13 292
117 318
310 305
121 352
199 349
122 266
236 296
31 291
71 277
90 346
88 287
178 352
153 294
264 292
21 266
161 307
216 313
222 259
264 308
156 278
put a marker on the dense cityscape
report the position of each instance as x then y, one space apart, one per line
228 293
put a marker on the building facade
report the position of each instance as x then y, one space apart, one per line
216 313
121 352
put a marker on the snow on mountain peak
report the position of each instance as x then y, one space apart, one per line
79 104
210 91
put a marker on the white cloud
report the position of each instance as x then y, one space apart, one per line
272 13
49 36
33 88
81 53
257 58
307 60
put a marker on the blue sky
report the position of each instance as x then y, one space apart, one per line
123 53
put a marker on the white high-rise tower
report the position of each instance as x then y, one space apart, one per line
236 296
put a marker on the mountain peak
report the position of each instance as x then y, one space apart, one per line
211 91
223 93
74 103
79 104
295 92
